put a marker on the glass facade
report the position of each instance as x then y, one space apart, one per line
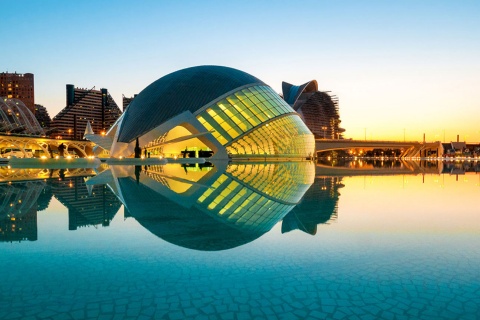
242 206
234 116
258 196
286 136
286 182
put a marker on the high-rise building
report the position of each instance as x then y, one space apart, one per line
18 86
126 101
318 109
83 106
41 113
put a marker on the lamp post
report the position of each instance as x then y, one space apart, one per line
324 132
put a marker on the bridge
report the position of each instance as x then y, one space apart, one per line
410 148
42 146
407 168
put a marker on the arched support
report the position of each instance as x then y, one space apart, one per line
81 149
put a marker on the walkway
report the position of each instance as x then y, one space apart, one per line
410 148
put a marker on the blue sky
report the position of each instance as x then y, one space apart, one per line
410 65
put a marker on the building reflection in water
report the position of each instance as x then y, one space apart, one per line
318 206
460 167
197 206
21 200
86 206
18 210
209 208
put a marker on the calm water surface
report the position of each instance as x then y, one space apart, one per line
243 241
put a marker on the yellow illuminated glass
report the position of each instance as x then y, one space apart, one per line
285 136
243 111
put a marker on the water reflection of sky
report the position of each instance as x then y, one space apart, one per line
374 246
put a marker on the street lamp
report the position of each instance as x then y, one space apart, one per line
324 132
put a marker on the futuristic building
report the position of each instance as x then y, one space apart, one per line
83 106
209 110
318 109
15 117
209 208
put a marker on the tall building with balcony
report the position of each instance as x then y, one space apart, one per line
83 106
18 86
318 109
126 101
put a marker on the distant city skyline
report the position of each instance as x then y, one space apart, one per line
399 69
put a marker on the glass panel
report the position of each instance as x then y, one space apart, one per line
286 136
211 124
241 112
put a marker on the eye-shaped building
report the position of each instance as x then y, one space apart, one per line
209 111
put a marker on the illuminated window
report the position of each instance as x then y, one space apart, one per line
241 112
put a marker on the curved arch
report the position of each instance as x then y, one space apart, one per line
291 93
4 116
19 114
44 147
18 144
27 117
10 115
77 148
15 115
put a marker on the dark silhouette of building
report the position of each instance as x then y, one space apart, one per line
319 205
18 210
84 208
126 101
44 199
318 109
18 86
42 116
83 106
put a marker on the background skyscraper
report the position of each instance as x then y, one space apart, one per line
83 106
18 86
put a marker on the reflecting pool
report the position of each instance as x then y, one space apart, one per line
240 241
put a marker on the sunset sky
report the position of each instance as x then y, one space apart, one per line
399 69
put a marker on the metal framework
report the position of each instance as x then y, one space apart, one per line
15 117
82 148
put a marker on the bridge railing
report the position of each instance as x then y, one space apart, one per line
366 141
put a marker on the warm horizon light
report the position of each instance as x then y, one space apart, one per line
400 70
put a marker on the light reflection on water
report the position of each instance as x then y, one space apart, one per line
177 242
